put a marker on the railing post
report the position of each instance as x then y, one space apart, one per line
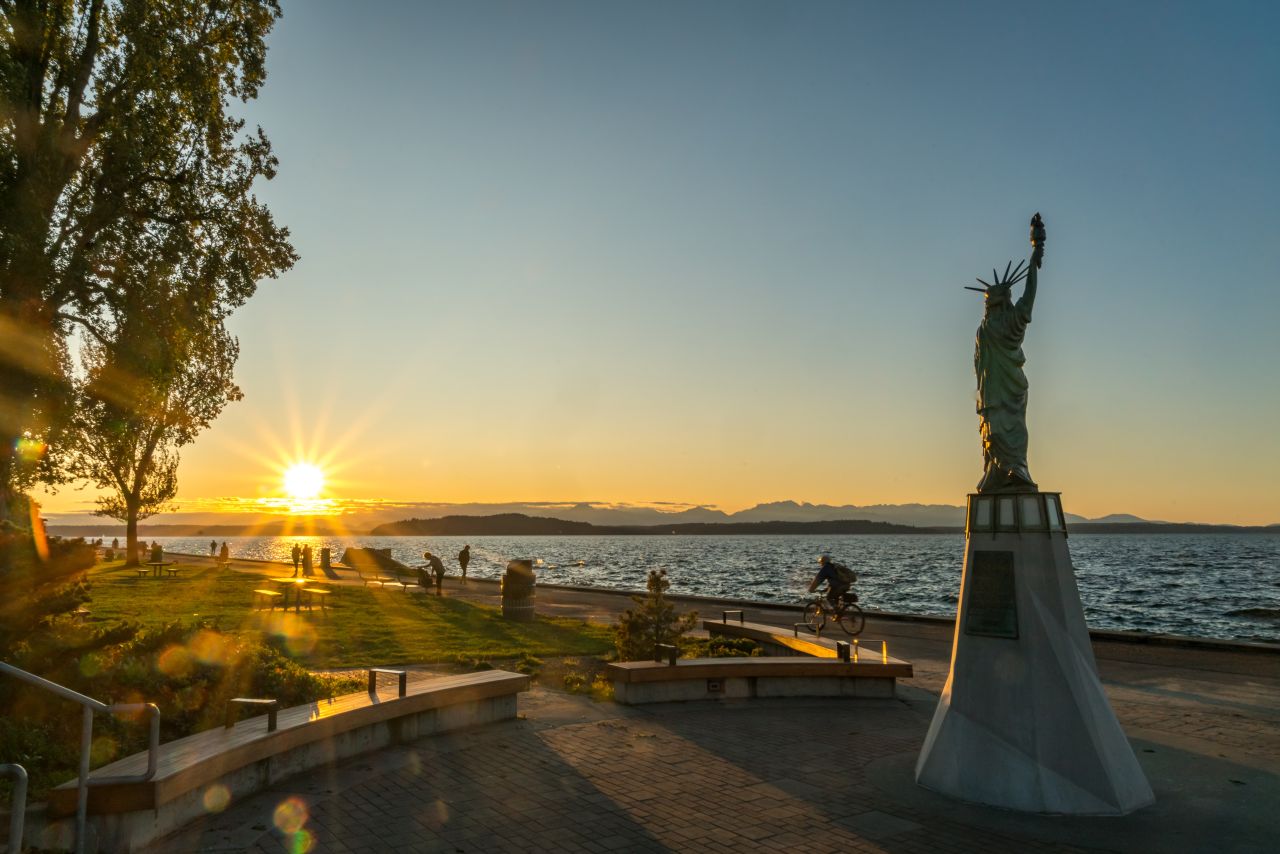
82 787
17 804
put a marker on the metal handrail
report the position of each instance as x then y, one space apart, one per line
17 804
89 706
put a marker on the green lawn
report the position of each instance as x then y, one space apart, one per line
364 627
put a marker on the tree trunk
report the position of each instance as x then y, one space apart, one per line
131 535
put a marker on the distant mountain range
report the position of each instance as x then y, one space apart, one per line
518 524
602 517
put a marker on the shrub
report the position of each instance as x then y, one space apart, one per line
719 647
653 621
188 671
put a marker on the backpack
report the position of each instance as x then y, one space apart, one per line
845 574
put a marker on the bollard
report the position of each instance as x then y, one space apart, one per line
856 647
884 652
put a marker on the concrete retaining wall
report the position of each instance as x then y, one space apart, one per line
125 832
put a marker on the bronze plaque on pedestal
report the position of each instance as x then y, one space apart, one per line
992 606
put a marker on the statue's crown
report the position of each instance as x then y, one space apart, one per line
1005 282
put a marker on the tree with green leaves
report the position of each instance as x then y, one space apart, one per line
118 147
653 621
163 376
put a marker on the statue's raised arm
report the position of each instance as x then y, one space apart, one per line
1028 299
998 361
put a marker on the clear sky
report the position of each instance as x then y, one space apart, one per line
712 252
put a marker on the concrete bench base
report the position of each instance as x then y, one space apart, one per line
639 682
747 687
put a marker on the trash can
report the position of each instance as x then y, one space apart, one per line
325 557
517 591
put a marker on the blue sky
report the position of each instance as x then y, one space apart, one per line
713 252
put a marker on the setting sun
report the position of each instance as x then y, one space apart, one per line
303 481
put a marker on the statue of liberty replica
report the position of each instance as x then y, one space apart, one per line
1002 386
1023 722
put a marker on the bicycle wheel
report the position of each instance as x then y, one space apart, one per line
852 620
814 617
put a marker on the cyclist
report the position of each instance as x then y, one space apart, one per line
839 579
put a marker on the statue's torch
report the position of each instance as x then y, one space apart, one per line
1037 240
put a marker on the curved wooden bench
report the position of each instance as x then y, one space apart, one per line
638 682
229 763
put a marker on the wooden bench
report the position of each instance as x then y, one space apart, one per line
262 598
371 578
314 593
397 578
237 761
638 682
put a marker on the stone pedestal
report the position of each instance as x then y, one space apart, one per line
1023 722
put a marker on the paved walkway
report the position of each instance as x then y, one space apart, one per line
574 775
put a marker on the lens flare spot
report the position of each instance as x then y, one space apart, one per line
216 798
30 450
175 661
209 647
302 842
299 636
290 816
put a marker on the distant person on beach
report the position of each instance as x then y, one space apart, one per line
213 548
306 560
115 543
464 558
224 554
297 558
839 579
437 569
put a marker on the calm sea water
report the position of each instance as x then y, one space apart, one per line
1206 585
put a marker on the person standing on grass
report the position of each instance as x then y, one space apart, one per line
437 569
225 554
297 558
306 560
464 558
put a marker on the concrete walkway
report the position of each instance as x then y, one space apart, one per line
575 775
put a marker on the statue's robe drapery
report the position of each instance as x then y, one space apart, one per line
1002 396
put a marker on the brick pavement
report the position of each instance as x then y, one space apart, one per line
577 776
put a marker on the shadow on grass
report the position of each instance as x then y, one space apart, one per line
363 627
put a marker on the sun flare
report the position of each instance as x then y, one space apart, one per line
303 481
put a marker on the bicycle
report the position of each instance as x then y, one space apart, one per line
847 613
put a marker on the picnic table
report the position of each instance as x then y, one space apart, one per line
294 584
158 565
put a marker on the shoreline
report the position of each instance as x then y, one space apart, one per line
1106 635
